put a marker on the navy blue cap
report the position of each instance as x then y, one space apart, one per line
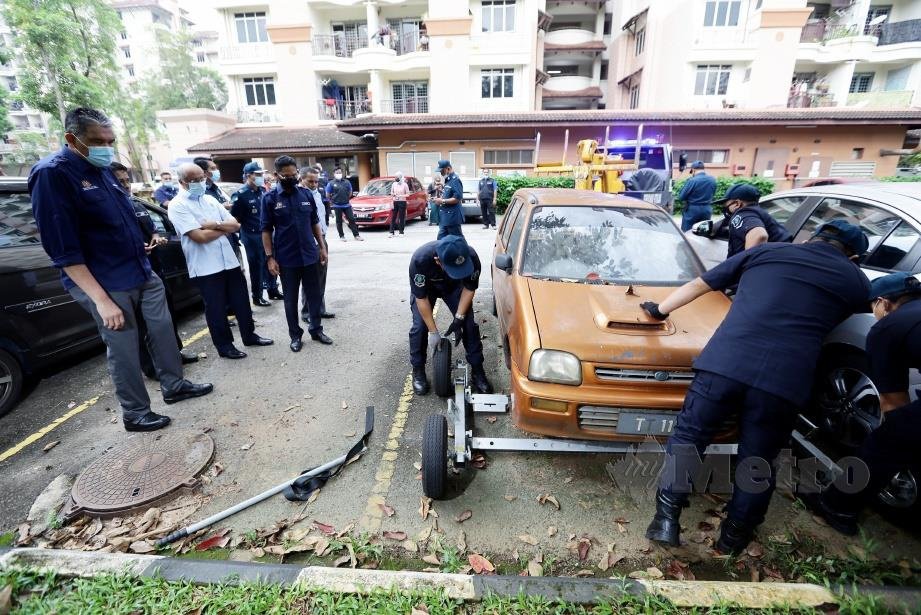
894 285
697 164
741 191
252 167
846 233
454 254
443 164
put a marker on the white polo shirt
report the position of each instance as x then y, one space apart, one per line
187 214
321 210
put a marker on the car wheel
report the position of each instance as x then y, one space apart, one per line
434 456
441 369
10 381
845 401
424 215
495 308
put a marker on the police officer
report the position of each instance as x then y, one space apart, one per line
450 203
446 269
759 362
696 194
894 348
247 209
749 225
167 190
486 192
294 246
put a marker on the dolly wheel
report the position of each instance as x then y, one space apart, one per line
434 456
444 383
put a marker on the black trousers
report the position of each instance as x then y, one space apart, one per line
259 276
398 217
220 290
292 280
349 216
488 211
418 333
305 307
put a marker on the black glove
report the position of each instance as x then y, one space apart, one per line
457 326
652 309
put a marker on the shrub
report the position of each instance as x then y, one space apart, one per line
901 178
508 186
764 186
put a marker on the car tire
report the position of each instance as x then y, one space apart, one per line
424 215
441 369
495 308
10 381
434 456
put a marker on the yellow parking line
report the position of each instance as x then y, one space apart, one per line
38 435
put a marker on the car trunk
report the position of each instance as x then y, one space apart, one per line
604 324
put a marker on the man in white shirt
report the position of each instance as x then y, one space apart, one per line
310 179
204 226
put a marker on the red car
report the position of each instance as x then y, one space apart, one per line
373 206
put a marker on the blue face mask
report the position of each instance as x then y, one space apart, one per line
259 180
197 189
98 155
215 176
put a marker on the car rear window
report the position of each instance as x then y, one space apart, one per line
17 225
620 245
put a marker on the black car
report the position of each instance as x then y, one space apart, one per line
40 323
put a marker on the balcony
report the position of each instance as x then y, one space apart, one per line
258 115
569 36
329 109
246 52
568 83
891 99
813 32
908 31
418 104
340 45
810 100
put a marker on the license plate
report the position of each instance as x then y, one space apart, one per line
646 423
363 217
655 198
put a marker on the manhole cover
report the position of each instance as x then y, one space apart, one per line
142 470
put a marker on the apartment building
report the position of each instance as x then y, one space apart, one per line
712 54
137 51
23 117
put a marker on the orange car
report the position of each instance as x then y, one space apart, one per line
570 270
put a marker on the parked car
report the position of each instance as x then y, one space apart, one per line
570 270
471 204
373 206
40 323
845 406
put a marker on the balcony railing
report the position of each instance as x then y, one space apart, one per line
246 51
340 45
419 104
807 101
257 115
813 32
908 31
411 41
331 109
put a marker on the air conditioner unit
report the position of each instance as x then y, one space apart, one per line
740 169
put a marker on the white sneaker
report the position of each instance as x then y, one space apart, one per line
343 239
359 238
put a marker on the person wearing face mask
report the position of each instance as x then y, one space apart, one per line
487 192
339 191
88 227
246 209
310 181
167 190
749 225
294 246
399 190
205 226
450 203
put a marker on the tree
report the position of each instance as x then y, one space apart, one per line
31 147
181 84
68 52
5 124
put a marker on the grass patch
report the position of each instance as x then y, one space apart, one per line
6 539
212 554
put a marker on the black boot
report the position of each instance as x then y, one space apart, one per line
665 527
734 537
420 381
479 381
842 521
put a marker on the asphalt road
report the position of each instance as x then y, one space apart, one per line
275 413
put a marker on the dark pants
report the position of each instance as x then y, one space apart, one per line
889 449
292 280
398 217
418 333
488 210
694 214
321 274
259 276
765 424
433 213
451 229
349 216
144 341
220 290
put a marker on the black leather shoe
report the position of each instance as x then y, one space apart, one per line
261 302
150 373
665 527
149 422
734 537
233 353
296 345
321 337
420 381
843 522
188 391
277 296
259 341
327 315
188 358
480 382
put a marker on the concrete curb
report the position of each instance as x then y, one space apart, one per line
457 586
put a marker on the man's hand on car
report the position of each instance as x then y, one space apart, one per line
456 327
111 315
652 308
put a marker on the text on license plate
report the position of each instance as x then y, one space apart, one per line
363 216
652 197
646 423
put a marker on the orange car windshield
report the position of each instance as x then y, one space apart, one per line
616 245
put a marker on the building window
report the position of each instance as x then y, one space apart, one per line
712 79
640 41
708 156
722 13
11 84
634 96
124 35
250 27
747 76
200 57
498 15
259 90
857 153
119 13
878 14
498 82
607 24
860 83
127 52
130 69
604 70
197 42
508 156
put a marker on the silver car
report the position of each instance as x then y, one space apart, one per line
845 404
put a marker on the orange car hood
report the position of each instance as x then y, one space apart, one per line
604 324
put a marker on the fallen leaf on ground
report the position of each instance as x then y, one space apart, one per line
425 506
479 461
551 531
527 538
141 546
395 535
325 528
431 558
50 445
491 419
71 405
419 609
753 574
218 540
510 498
480 564
216 469
755 550
584 545
650 573
418 466
621 528
321 548
584 573
257 552
856 551
22 534
313 496
291 407
462 542
424 534
340 560
411 546
345 406
567 480
246 446
609 560
387 510
705 526
463 516
679 570
546 497
535 569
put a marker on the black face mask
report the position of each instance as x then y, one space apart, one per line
288 183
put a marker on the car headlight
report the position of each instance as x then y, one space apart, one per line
384 207
555 366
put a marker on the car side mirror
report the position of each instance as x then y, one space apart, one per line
703 229
504 262
682 162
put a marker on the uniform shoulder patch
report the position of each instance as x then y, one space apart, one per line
475 275
736 221
419 280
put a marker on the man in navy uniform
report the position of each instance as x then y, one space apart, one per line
89 229
294 247
759 363
247 210
486 192
749 225
446 269
697 194
450 203
167 190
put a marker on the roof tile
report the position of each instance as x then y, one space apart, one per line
283 140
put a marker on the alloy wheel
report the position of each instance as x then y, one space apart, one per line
849 406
